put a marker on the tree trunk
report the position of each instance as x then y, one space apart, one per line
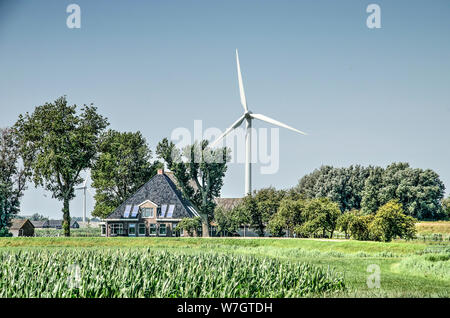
261 231
205 227
66 217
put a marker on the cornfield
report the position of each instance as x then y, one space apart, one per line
152 273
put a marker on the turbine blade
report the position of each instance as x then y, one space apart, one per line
236 124
241 85
275 122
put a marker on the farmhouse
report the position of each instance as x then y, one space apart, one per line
21 227
154 210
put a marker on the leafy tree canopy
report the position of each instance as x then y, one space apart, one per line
57 144
122 167
419 191
228 222
268 201
390 222
198 165
366 189
342 185
12 178
359 226
319 216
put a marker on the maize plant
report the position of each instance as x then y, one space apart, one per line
155 273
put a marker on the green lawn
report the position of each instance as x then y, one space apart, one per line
407 269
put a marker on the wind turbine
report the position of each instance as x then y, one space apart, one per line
248 116
84 188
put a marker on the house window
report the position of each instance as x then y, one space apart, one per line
162 229
174 229
103 229
141 229
132 229
152 229
117 229
147 212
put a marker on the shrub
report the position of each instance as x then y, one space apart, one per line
390 222
190 225
4 232
359 227
320 216
276 226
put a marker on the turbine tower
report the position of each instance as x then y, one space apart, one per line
248 116
84 188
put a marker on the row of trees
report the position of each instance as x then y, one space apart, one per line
255 210
305 218
291 214
57 142
368 188
387 223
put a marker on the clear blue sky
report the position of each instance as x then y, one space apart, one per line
366 96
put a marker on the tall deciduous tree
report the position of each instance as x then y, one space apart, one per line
57 144
371 200
12 178
203 166
419 191
123 165
342 185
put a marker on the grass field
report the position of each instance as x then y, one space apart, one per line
407 269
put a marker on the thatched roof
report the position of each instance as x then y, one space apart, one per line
39 224
160 190
17 224
227 203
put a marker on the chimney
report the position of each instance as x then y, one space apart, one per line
160 171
